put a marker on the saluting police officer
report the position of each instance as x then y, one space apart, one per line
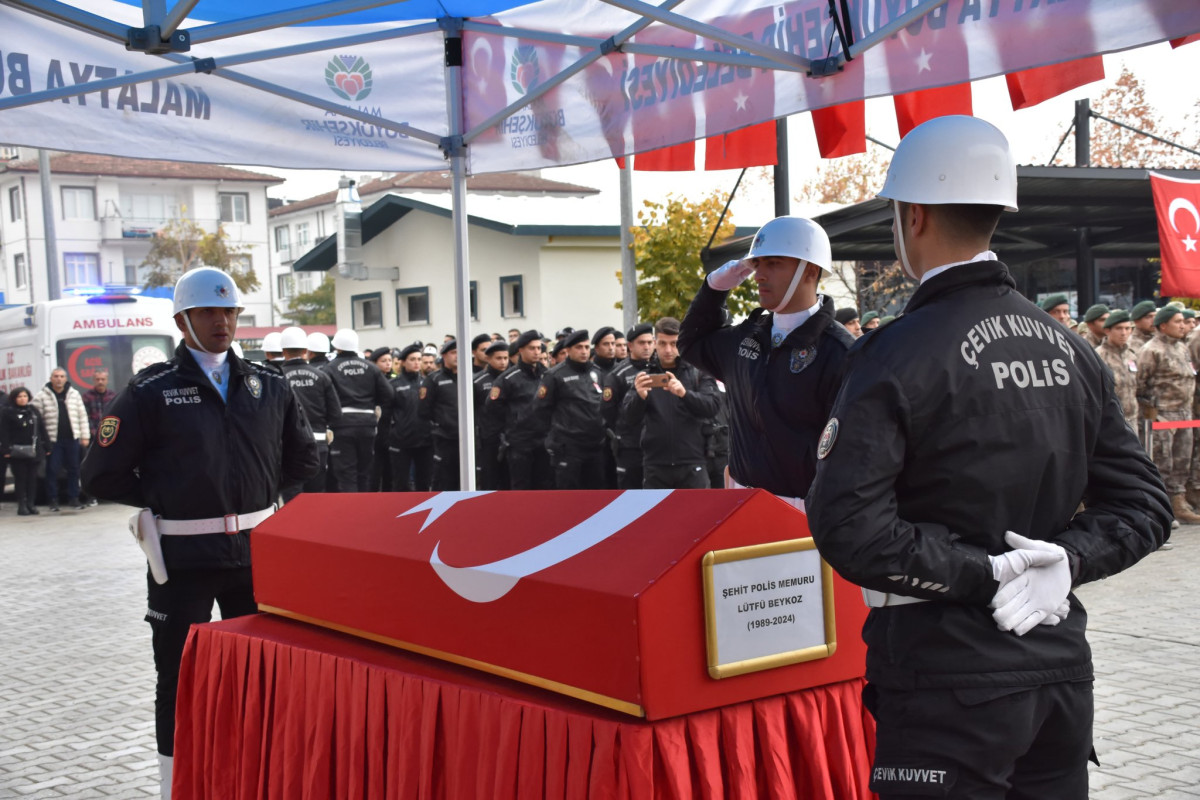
410 445
510 405
782 366
360 388
627 431
314 389
439 406
987 423
570 398
235 431
490 473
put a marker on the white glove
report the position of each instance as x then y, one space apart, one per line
1037 593
730 274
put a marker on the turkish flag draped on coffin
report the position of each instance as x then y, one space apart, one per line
1177 205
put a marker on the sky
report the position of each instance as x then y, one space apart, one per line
1166 74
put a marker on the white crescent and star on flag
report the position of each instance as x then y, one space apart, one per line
1183 204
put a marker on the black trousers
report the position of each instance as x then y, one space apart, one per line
529 469
412 468
24 472
1022 743
314 484
381 467
629 469
350 458
675 476
184 600
445 465
490 472
716 470
577 467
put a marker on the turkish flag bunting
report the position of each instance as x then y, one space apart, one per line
1032 86
841 130
1177 205
1195 37
677 158
747 147
914 108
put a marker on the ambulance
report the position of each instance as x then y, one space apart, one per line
112 328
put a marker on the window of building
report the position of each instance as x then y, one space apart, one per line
284 287
247 320
366 311
78 202
412 306
303 282
235 206
20 271
14 204
512 296
131 272
81 269
302 238
148 209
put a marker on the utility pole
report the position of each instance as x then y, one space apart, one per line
53 284
783 202
629 302
1087 286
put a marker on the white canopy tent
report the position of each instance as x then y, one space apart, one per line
499 85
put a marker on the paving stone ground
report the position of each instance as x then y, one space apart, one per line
76 677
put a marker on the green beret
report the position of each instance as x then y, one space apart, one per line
1189 314
1116 318
884 320
869 317
1055 300
1141 309
1095 312
1165 314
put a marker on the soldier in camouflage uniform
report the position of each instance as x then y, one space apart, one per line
1092 326
1142 317
1122 361
1166 386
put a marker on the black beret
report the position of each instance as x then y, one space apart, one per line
496 347
1055 300
415 347
562 333
1116 318
480 339
604 331
641 329
380 352
1095 312
1165 314
844 315
558 348
528 337
575 337
448 346
1141 309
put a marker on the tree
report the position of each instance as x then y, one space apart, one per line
182 245
667 244
1114 146
313 308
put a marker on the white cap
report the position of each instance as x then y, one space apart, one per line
294 338
953 159
206 287
272 342
346 340
793 237
318 342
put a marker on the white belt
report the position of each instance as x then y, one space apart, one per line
875 599
230 523
358 411
795 502
320 437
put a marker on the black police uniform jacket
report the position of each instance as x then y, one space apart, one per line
439 403
315 391
617 384
779 398
170 444
673 427
409 431
972 414
570 398
487 426
510 404
360 386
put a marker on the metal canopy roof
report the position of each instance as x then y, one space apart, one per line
1114 204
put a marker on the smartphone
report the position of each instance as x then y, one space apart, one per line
659 380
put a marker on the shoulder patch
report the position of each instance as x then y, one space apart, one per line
424 391
541 391
254 385
608 393
107 433
495 393
828 438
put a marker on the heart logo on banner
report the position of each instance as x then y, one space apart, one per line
349 77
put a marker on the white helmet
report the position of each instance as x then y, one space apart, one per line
272 342
793 237
318 343
206 287
953 159
346 340
294 338
236 349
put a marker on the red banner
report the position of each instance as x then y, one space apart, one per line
914 108
1177 205
747 147
841 130
1032 86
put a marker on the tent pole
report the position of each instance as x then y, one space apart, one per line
457 152
629 301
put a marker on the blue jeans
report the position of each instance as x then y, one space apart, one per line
64 456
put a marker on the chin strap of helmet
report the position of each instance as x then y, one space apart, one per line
187 320
791 290
900 241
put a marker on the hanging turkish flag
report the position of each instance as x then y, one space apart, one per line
747 147
1195 37
1177 205
677 158
914 108
841 130
1032 86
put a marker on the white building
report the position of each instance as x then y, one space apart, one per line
106 211
543 254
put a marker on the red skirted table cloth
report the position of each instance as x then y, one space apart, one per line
273 708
